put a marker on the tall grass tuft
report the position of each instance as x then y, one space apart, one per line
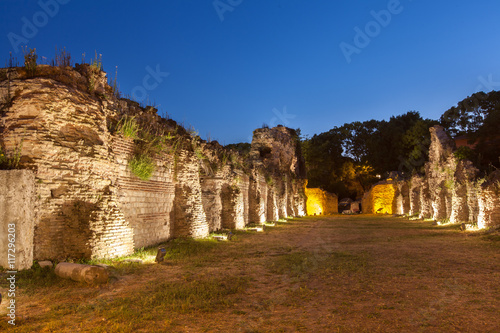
128 127
142 166
30 61
62 58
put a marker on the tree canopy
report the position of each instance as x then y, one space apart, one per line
478 118
347 160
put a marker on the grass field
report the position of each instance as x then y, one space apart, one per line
315 274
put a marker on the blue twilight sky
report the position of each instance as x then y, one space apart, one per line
235 64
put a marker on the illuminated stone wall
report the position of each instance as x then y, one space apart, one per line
320 202
90 205
381 199
146 206
489 202
63 137
234 198
258 198
190 218
272 204
277 158
300 197
212 202
448 192
17 218
451 188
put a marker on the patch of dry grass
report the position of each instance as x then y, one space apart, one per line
321 274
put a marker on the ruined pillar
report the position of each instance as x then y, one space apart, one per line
425 201
212 202
272 204
415 189
190 218
258 198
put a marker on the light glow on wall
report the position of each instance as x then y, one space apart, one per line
320 202
383 198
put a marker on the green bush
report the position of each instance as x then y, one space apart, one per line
464 153
142 166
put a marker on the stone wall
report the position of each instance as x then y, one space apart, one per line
211 197
258 198
147 206
321 202
90 203
381 199
450 191
489 202
190 217
17 218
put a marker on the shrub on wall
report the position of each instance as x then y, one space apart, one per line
142 166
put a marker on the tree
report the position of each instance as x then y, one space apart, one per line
386 147
346 159
323 156
416 142
357 137
471 113
478 117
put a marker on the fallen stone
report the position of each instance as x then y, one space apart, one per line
82 273
220 237
45 263
256 229
139 261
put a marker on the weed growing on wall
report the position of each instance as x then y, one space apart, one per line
269 180
7 99
94 68
128 127
115 87
142 166
11 161
30 59
199 154
62 58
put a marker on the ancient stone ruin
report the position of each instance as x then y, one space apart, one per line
80 143
320 202
450 190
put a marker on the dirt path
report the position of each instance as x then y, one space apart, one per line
335 274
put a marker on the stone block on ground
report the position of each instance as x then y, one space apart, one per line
82 273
